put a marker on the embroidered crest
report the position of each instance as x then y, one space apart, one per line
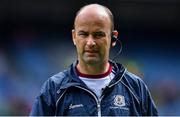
119 100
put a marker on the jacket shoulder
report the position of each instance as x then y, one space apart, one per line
133 79
46 100
51 86
135 84
141 92
59 78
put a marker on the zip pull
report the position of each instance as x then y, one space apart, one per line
99 109
98 101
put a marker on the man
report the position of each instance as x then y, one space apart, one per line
94 85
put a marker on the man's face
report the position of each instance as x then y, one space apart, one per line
92 37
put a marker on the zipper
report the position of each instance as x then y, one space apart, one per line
59 100
60 97
99 109
97 101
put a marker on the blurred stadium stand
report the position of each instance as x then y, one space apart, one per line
35 43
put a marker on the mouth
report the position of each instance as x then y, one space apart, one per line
91 53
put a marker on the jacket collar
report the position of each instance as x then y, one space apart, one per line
73 79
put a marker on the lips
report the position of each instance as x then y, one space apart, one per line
91 51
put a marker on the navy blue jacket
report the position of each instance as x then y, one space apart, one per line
65 94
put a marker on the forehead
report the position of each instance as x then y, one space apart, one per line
95 17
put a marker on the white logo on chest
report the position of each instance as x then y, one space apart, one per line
119 100
71 106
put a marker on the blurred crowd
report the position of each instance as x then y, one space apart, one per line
26 62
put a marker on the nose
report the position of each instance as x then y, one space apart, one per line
90 41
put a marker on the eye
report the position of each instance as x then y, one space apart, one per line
82 34
99 34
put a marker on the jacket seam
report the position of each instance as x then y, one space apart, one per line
58 101
131 92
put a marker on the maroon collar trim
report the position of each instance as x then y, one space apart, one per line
95 76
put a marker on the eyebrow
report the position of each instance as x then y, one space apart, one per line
98 32
81 31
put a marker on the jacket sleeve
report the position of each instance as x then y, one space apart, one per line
44 103
148 106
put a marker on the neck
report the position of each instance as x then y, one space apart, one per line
93 69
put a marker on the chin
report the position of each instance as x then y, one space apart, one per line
92 61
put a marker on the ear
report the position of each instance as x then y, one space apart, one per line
114 37
115 33
73 36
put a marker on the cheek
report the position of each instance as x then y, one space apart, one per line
106 44
105 47
80 46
